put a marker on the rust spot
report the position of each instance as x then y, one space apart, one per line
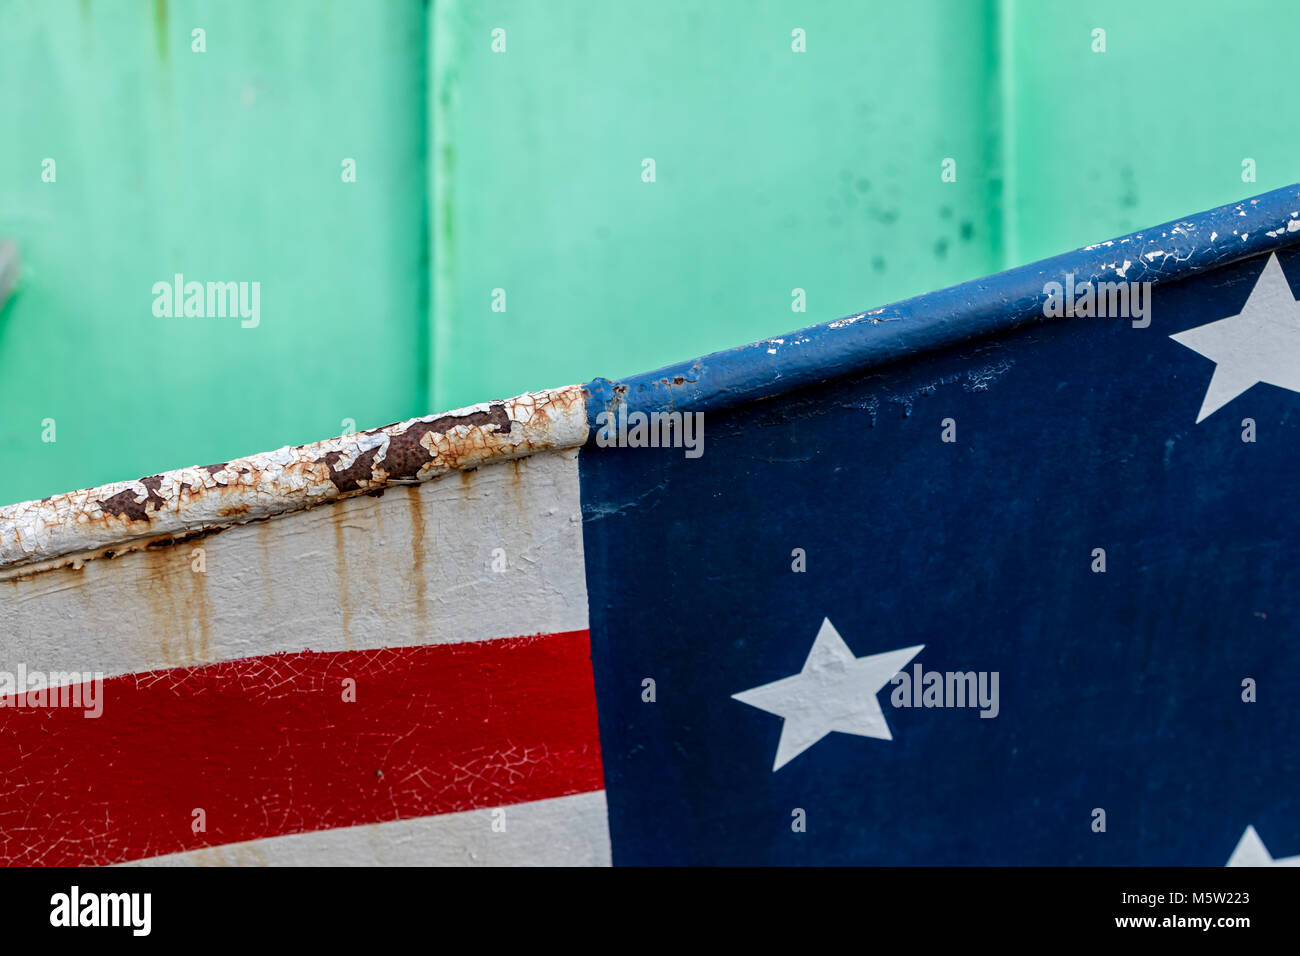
151 485
182 625
213 469
124 502
198 606
171 540
518 467
466 484
350 478
234 511
417 552
406 453
341 563
517 485
76 562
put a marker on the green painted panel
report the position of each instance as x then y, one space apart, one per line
775 170
224 165
1154 128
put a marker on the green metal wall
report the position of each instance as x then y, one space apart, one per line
1153 129
522 171
775 170
224 165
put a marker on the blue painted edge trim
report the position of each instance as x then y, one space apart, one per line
962 313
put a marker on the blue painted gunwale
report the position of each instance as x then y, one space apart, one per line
956 315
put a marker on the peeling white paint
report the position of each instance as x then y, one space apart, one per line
288 479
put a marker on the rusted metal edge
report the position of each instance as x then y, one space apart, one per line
128 515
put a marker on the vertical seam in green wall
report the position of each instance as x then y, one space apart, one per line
441 83
424 335
1006 120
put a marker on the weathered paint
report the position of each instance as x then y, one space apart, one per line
191 500
959 315
273 745
1091 421
413 567
827 492
439 579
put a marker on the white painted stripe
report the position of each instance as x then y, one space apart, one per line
415 566
562 831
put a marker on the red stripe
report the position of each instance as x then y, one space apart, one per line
267 746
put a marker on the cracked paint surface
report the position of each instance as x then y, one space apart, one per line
434 729
190 500
401 593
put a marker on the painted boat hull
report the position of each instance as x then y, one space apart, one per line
952 582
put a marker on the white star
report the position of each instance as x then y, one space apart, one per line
1251 852
1262 344
834 691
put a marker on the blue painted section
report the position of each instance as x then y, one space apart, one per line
956 315
1118 690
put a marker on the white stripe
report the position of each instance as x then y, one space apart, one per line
563 831
412 567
